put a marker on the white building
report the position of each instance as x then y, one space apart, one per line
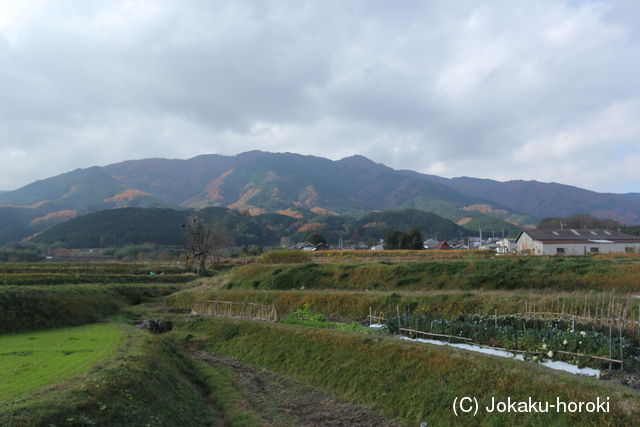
506 246
576 242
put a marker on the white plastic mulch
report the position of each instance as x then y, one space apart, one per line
553 364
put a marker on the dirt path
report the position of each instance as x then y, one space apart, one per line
277 400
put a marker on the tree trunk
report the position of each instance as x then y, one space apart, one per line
201 266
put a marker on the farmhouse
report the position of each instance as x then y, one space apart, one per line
576 242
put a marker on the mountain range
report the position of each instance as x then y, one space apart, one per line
256 183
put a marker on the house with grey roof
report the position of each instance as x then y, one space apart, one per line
576 242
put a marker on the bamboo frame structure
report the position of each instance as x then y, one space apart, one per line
240 310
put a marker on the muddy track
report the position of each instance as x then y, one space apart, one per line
277 400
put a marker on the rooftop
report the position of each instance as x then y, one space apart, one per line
583 234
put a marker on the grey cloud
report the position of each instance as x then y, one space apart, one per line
454 88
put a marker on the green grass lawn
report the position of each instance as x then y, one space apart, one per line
33 361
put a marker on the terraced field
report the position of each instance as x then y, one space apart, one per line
33 361
319 364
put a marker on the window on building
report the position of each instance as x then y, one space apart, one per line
630 250
559 250
594 250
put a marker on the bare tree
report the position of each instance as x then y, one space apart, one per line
206 240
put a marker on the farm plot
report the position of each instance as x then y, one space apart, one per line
33 361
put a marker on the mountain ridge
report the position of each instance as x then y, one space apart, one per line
258 182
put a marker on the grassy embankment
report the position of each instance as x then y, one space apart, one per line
91 267
504 273
408 382
44 278
76 273
47 295
28 308
602 286
396 255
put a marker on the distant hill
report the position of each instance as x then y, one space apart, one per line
542 200
634 197
578 221
258 183
163 226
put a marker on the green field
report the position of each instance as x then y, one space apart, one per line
33 361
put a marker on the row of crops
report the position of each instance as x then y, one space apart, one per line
557 339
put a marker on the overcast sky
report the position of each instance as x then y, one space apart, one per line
542 89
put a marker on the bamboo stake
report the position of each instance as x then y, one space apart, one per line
588 355
621 352
435 335
610 349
